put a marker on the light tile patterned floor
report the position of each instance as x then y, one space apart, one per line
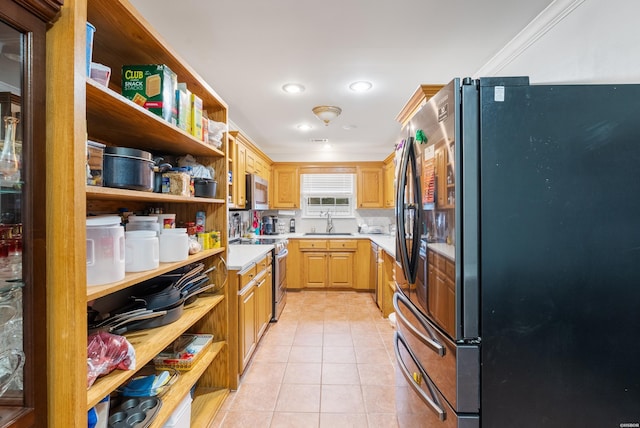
328 363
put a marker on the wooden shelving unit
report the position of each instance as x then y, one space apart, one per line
82 108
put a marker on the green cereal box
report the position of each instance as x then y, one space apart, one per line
183 98
152 86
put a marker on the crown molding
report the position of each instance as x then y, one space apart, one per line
541 24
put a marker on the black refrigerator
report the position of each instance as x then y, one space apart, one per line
518 238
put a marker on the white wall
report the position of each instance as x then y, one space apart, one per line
576 41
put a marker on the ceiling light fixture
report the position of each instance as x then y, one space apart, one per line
293 88
361 86
326 113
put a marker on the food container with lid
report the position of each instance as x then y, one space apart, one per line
142 222
174 245
142 250
105 250
127 168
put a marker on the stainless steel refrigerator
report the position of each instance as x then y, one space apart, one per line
518 237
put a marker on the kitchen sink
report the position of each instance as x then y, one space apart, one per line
327 233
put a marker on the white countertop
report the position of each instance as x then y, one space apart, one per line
242 256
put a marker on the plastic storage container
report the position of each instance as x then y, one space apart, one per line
105 250
142 222
174 245
181 416
142 250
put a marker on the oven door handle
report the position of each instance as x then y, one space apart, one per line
417 378
431 341
282 254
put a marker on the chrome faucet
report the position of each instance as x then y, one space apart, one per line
329 221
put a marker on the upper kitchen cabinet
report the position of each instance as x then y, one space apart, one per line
417 100
389 173
285 187
370 188
24 363
78 108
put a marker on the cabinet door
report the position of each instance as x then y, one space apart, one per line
314 269
341 270
286 187
370 187
263 303
389 185
250 162
246 326
239 176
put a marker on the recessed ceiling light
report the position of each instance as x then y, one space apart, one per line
349 127
304 127
361 86
293 88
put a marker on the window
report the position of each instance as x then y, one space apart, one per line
328 192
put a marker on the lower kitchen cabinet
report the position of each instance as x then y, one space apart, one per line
332 263
254 310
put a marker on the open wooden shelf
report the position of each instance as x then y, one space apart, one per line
97 291
183 385
149 343
137 127
206 403
111 193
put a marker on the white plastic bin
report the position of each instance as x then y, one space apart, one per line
105 250
174 245
181 416
142 250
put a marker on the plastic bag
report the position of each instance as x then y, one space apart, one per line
107 352
216 132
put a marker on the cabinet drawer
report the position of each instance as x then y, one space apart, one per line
246 276
312 244
263 263
343 244
439 262
449 269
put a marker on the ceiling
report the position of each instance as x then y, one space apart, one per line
247 50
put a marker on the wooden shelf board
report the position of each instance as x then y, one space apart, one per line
148 343
183 385
112 194
97 291
124 37
206 404
137 127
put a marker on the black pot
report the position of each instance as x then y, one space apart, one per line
126 168
205 187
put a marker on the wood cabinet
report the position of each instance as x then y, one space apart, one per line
389 177
333 263
391 275
441 290
370 188
285 187
253 312
81 107
24 292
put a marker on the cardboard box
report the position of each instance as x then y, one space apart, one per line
152 86
196 116
183 99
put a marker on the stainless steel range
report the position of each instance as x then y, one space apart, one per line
279 285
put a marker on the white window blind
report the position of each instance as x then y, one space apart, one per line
328 192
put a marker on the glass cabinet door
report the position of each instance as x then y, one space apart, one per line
23 340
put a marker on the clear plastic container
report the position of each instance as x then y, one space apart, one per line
105 250
143 222
174 245
142 250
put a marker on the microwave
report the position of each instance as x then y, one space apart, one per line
257 193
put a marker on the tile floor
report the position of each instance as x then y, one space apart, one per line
328 362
